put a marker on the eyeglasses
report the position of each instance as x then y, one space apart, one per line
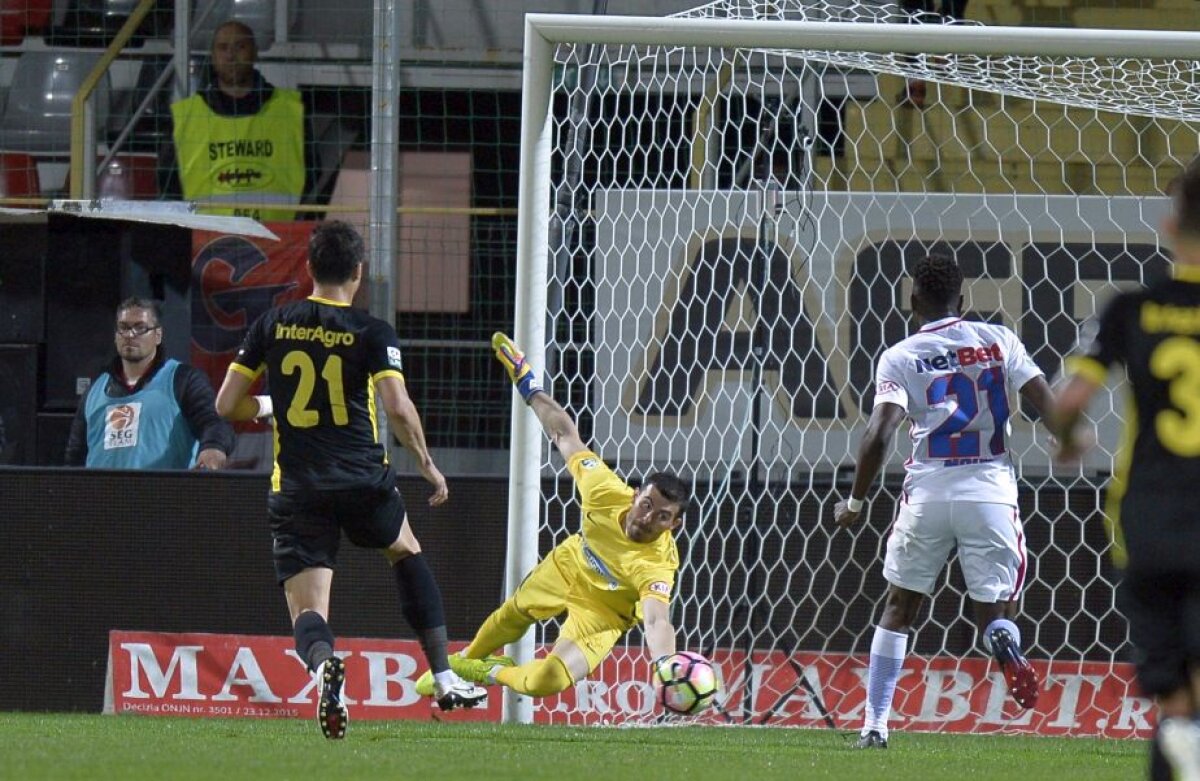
137 329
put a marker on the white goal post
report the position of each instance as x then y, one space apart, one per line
704 184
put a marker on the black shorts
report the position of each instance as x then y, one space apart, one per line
1163 611
306 529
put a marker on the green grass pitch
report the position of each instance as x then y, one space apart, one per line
132 748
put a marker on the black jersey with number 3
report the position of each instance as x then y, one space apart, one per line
322 359
1155 334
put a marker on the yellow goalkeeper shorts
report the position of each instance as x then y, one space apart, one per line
549 590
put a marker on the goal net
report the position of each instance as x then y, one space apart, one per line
716 216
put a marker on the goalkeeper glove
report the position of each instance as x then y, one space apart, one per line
519 371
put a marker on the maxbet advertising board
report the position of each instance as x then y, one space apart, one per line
261 677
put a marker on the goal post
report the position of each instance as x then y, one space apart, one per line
729 331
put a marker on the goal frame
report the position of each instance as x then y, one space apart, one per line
543 32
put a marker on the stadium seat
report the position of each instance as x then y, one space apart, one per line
129 177
19 176
21 17
96 22
37 115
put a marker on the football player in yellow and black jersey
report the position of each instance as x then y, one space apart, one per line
1152 498
618 570
329 367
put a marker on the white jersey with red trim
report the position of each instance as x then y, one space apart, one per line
958 381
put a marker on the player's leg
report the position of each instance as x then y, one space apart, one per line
421 604
308 601
305 545
1177 736
991 552
307 594
917 548
541 595
888 650
378 519
1163 611
585 639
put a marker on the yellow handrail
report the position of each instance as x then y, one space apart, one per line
348 208
78 152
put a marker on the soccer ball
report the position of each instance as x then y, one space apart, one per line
685 683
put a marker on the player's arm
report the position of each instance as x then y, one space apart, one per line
872 451
1101 344
657 628
557 424
214 435
405 423
1066 416
1037 392
234 401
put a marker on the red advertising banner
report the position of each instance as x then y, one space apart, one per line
254 676
243 675
935 694
234 280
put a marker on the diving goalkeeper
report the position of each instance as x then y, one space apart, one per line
618 570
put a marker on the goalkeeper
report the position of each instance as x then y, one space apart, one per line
618 570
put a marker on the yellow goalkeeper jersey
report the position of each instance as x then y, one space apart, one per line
617 571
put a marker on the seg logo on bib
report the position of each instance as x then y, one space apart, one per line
121 425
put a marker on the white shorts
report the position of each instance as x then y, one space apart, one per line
990 540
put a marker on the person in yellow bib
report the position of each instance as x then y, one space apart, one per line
239 143
617 571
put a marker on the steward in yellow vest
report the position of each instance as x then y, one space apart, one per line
240 140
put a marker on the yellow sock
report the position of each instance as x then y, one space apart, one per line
539 678
505 625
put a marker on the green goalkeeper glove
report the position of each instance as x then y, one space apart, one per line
519 371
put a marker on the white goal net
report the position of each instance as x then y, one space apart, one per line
717 213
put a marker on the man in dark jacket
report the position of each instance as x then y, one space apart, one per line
147 411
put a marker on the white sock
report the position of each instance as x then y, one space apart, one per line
445 679
1004 623
887 657
1179 740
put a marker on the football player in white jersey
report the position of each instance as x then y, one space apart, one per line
953 381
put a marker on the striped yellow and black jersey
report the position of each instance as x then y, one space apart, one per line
322 360
1150 506
1155 334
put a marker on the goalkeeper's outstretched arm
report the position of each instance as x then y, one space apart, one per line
657 627
557 424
